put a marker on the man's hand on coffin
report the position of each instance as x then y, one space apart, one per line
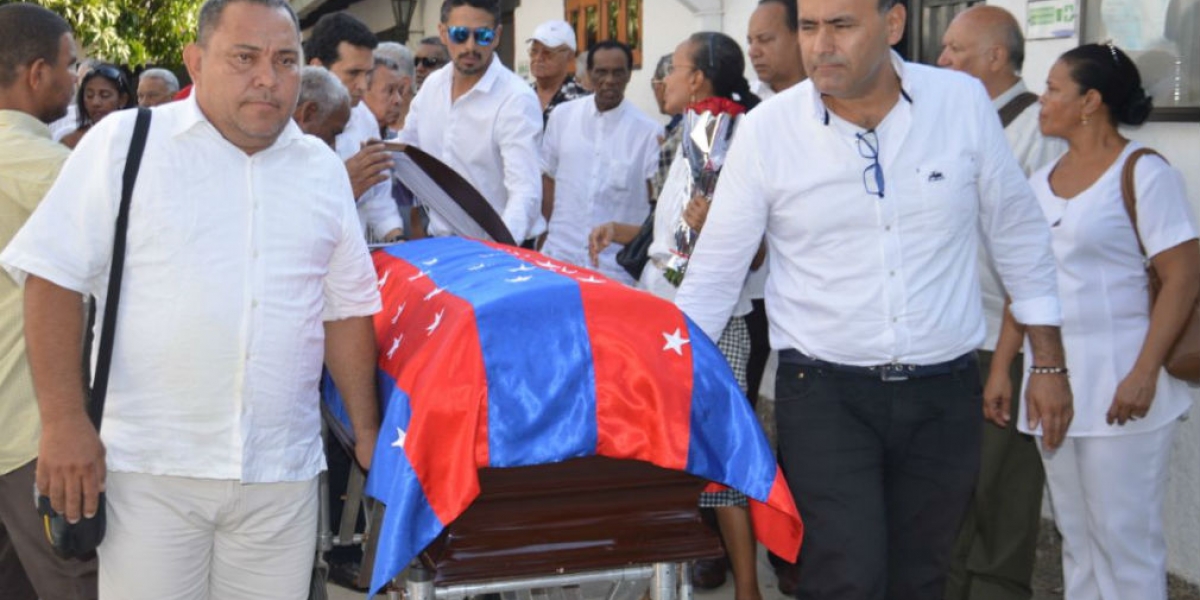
369 167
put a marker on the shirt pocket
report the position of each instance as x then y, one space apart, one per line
617 177
948 193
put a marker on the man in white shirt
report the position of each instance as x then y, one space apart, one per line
773 47
879 177
995 552
344 45
482 120
156 86
244 267
323 108
585 182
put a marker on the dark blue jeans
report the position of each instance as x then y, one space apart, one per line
882 473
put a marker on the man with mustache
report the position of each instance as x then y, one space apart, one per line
586 182
880 179
481 119
244 269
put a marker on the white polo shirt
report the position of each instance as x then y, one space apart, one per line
863 280
601 163
233 264
489 135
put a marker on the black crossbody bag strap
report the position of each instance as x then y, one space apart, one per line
107 328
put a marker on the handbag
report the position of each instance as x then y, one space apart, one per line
1183 359
80 539
636 253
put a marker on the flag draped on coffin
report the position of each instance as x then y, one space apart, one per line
492 356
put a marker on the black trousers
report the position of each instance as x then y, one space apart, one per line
882 473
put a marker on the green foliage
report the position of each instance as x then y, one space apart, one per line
131 32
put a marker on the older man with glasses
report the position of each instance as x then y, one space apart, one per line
551 60
481 119
880 177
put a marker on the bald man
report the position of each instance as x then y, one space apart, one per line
994 555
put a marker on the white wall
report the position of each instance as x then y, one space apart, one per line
1180 143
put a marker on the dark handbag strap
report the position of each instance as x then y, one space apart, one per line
1016 106
1129 192
107 328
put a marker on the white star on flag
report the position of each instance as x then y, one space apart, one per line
419 275
430 262
476 267
435 292
437 320
399 311
521 279
395 346
590 279
383 280
547 265
567 271
521 269
675 341
400 435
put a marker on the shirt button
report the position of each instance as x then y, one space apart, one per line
254 304
891 273
887 227
895 319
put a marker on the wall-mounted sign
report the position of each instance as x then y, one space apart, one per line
1049 19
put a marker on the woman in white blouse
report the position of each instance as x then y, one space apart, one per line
1108 480
706 70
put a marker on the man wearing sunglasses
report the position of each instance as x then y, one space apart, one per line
551 60
345 45
880 178
480 119
431 55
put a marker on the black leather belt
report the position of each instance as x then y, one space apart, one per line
885 372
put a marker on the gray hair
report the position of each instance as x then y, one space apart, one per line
319 85
162 75
399 54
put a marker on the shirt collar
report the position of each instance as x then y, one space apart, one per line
593 110
490 76
24 122
821 113
1019 88
189 116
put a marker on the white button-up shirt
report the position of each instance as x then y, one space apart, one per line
594 183
489 135
863 280
377 211
232 265
1033 150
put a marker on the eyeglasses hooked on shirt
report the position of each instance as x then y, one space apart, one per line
483 35
868 148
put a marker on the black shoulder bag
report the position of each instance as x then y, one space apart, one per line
634 256
80 539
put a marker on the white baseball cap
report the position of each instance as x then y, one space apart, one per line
554 34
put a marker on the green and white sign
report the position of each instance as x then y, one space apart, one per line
1049 19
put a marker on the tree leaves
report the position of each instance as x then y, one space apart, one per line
130 32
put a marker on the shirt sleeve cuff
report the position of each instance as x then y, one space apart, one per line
364 309
20 266
1044 310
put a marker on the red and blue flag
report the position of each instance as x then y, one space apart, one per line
492 356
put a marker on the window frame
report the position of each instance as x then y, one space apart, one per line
578 21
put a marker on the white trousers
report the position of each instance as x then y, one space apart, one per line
196 539
1107 496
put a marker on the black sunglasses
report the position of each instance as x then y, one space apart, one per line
428 62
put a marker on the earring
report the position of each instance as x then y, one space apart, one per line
1084 120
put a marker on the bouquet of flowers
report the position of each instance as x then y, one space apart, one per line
708 128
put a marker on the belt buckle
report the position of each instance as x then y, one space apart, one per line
892 372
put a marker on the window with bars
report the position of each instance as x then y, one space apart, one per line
598 20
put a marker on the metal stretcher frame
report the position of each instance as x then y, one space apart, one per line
535 531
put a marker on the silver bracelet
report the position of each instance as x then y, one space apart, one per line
1035 370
